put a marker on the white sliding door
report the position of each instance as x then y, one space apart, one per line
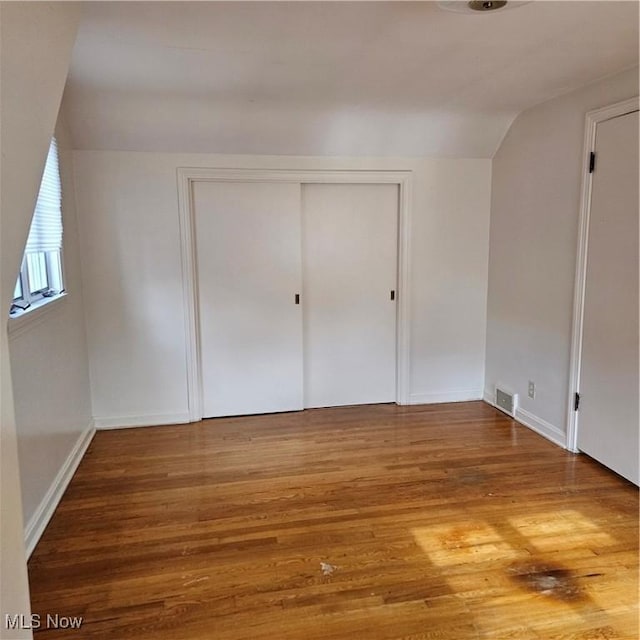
608 415
248 262
349 240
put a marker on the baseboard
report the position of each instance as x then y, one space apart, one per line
150 420
463 395
40 519
540 426
544 428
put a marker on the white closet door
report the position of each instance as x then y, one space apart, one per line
349 239
248 257
608 416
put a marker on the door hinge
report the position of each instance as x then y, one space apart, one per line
576 402
592 161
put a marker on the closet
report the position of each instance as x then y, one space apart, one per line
296 293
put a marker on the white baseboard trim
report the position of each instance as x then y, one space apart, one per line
544 428
125 422
490 398
540 426
40 519
462 395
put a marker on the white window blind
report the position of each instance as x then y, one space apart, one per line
45 233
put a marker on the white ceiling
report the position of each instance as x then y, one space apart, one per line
331 78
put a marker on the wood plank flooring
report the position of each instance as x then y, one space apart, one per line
440 522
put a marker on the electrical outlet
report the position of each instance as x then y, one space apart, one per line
532 389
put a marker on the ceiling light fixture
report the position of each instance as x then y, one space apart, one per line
480 6
486 5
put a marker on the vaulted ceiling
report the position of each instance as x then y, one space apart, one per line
331 78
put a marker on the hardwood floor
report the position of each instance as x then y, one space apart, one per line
440 521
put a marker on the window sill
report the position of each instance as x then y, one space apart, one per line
24 321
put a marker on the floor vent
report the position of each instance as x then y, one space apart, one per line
506 401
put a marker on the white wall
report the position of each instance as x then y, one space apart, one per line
130 240
49 367
537 174
36 42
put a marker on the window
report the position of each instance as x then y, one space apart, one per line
40 276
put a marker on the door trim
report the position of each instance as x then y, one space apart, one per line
188 175
592 119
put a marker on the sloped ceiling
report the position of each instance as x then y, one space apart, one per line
331 78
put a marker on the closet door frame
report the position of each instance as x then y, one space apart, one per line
592 119
187 176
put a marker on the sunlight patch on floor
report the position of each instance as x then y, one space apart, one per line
462 543
558 530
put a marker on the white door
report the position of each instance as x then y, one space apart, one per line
608 414
349 240
248 262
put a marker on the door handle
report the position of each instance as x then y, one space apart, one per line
393 294
297 298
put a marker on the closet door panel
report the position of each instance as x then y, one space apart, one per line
350 240
249 271
609 411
